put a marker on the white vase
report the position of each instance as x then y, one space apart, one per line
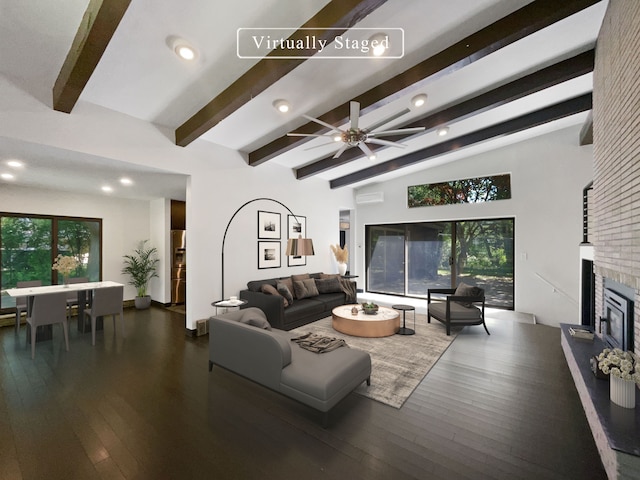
342 268
622 392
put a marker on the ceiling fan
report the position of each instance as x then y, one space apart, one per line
355 136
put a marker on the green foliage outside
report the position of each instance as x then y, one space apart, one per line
469 190
27 249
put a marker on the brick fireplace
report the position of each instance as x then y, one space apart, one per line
611 264
616 146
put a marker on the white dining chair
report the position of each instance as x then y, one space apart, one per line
21 302
106 301
47 310
72 297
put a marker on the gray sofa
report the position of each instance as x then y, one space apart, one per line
269 357
300 311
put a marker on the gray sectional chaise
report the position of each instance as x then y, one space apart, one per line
269 357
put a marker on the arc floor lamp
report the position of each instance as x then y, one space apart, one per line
296 247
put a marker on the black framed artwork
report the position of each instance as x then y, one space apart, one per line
268 225
269 255
296 226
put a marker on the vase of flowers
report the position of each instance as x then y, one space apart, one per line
342 256
65 264
624 373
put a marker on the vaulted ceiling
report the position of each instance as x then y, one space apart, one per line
494 72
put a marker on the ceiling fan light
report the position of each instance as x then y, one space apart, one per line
282 106
419 100
442 131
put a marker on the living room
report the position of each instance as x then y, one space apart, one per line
549 170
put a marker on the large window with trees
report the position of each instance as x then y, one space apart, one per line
408 259
29 245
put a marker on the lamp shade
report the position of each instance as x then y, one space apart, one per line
299 247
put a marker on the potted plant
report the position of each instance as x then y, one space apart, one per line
141 267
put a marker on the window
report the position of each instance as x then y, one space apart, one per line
408 259
30 243
468 190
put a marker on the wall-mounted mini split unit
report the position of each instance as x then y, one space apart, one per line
374 197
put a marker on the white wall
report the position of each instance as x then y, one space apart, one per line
548 174
211 202
124 222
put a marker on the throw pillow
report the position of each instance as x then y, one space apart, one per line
328 285
464 290
271 290
302 276
330 275
289 283
285 292
305 288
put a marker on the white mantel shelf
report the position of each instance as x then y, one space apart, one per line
616 430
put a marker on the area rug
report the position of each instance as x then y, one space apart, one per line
399 362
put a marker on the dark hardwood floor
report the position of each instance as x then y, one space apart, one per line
146 407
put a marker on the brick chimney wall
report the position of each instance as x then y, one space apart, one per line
616 147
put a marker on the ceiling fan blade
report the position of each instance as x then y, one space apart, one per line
321 145
367 151
371 128
324 124
388 143
400 131
354 108
293 134
342 149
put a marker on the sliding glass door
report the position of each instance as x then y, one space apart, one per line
385 247
408 259
429 257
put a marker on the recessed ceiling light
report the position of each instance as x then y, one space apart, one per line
185 52
126 181
15 164
282 106
372 157
337 138
379 43
182 48
107 189
442 131
419 100
7 176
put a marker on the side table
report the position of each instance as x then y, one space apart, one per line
226 304
404 309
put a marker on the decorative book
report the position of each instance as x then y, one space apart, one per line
581 332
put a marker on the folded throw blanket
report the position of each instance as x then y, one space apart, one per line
319 343
349 288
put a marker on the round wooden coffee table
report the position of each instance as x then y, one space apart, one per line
383 324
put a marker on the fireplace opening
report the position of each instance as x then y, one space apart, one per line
618 320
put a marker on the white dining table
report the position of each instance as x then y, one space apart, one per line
82 288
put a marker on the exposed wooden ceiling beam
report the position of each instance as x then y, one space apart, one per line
96 29
339 14
524 122
525 21
547 77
